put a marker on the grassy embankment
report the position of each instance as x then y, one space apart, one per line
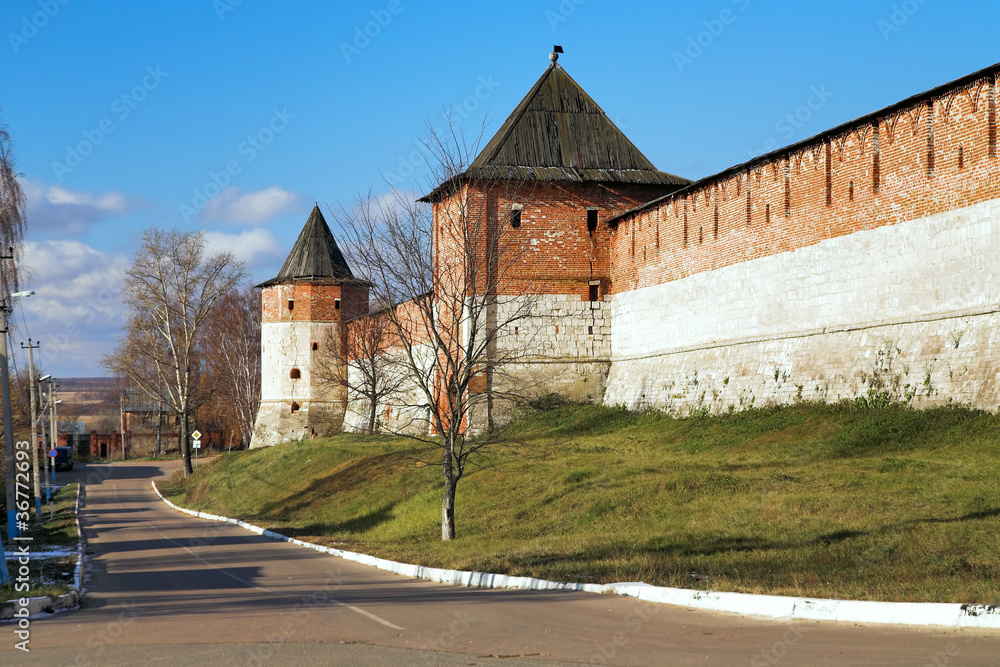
814 500
48 576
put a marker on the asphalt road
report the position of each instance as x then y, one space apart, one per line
166 588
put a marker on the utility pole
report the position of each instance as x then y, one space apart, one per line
45 467
53 441
8 426
53 429
34 411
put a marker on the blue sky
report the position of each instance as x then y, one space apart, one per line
233 116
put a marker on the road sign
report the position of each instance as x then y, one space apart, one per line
53 453
196 435
196 444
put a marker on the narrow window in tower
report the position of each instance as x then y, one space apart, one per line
295 374
591 221
767 214
961 158
315 346
701 234
515 218
595 292
590 330
291 304
295 407
850 191
336 304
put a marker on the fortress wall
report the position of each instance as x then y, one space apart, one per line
869 251
913 304
919 158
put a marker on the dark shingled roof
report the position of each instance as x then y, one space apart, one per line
559 133
314 255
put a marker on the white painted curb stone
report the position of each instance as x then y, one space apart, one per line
950 615
53 603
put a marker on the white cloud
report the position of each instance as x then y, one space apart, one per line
232 205
401 202
54 207
76 312
253 246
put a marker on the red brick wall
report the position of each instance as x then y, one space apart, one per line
552 252
312 302
899 166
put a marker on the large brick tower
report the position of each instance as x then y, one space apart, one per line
553 175
304 309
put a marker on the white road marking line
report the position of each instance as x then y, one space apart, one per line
358 610
368 615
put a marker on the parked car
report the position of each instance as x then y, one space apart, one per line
64 458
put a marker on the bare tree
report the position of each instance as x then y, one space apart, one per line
232 353
12 210
369 368
446 280
170 289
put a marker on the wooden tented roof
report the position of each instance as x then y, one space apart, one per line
559 133
314 255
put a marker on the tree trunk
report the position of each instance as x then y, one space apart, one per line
159 430
448 504
372 414
185 445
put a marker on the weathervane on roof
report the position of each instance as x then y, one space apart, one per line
556 50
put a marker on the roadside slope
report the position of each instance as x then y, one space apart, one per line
808 500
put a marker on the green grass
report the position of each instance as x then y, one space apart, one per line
814 500
50 576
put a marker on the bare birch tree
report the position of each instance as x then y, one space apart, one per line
369 367
12 210
446 279
170 289
232 353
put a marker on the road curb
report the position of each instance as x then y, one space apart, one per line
52 603
776 607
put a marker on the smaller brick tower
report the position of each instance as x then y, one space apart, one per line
304 309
